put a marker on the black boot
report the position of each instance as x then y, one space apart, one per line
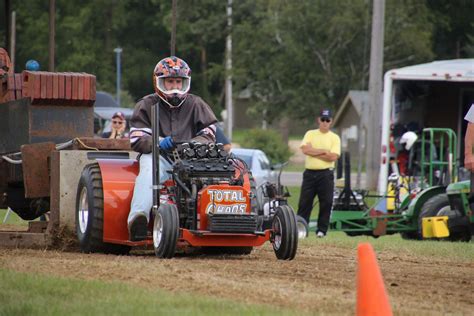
138 228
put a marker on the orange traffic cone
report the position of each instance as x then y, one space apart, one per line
372 298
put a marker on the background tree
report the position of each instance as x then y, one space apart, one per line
293 56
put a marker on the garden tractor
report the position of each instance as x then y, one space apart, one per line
208 202
428 204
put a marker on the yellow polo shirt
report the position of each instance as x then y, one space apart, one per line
329 141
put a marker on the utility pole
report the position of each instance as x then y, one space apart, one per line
118 51
13 41
52 33
7 24
173 27
374 131
228 79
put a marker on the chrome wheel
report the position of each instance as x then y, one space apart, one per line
157 230
302 233
83 210
277 228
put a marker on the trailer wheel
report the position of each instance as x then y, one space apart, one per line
437 204
90 213
303 228
166 231
284 233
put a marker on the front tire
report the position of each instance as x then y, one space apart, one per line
166 231
90 213
284 233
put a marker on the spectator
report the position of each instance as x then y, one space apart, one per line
322 148
468 150
118 127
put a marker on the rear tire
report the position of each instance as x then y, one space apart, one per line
166 231
302 226
90 214
284 233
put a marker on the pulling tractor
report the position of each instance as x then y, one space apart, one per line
202 198
208 199
427 204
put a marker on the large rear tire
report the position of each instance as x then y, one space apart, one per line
166 231
284 233
90 214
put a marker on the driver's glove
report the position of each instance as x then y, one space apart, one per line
167 143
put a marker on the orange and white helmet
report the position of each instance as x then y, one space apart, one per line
172 67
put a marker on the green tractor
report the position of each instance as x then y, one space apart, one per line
427 204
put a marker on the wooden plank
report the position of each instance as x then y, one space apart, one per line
37 88
49 86
68 87
61 85
11 88
80 88
92 88
87 87
55 86
35 168
44 79
16 239
28 84
75 86
18 86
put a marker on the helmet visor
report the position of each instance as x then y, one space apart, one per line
173 85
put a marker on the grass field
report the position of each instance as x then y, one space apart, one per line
55 283
27 294
321 280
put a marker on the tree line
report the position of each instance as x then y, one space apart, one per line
292 56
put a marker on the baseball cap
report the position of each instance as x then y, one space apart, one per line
119 115
325 113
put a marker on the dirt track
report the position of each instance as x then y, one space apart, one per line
320 280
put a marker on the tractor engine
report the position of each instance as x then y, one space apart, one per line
210 190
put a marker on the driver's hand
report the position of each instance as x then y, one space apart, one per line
167 143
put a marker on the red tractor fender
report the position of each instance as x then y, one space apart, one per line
118 181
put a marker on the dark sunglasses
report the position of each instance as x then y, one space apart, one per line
117 122
327 120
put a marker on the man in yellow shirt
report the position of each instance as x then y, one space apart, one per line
322 148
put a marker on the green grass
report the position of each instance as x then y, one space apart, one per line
13 219
294 198
394 243
26 294
294 167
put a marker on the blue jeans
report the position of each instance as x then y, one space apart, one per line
142 200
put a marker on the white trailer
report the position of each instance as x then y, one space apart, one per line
436 94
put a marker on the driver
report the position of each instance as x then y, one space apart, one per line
183 117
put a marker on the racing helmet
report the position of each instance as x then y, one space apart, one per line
408 138
172 67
